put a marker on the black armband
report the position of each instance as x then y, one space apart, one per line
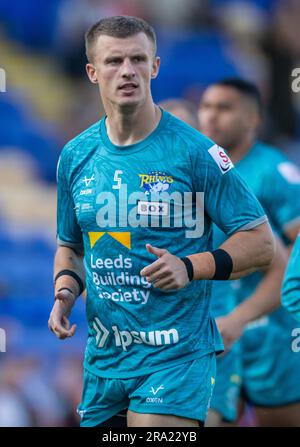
189 267
74 275
224 264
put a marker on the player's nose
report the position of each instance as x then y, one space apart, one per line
208 116
128 70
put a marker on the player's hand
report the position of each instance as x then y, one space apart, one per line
58 322
168 272
231 328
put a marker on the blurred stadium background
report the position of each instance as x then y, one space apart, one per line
48 100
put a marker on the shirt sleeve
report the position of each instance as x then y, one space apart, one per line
68 231
282 191
290 296
228 201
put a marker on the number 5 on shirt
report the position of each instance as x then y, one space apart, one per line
117 179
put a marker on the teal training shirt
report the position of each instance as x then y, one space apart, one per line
276 183
165 190
291 283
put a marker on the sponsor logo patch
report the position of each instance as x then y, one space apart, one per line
221 158
88 181
84 192
124 339
154 391
153 208
155 182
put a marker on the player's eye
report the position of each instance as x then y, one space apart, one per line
138 58
225 107
205 106
114 61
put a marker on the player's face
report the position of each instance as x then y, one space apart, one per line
123 68
225 116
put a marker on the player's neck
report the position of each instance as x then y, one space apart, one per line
240 150
125 127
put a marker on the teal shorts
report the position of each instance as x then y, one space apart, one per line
271 368
183 390
226 393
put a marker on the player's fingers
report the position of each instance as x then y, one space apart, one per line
66 322
60 333
165 284
159 274
151 268
57 328
51 323
71 330
159 252
63 333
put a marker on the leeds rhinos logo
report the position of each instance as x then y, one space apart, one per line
155 182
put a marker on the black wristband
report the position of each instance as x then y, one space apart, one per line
224 264
74 275
189 267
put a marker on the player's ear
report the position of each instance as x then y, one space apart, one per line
155 67
91 72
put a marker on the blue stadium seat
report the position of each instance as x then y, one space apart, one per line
192 60
30 22
30 135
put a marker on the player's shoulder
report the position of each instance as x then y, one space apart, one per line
187 134
192 142
276 163
84 140
272 154
202 150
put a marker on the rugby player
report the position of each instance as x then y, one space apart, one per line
224 403
291 285
138 192
230 113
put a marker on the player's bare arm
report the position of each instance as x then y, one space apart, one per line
249 251
292 233
66 291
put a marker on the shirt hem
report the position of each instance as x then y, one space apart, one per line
146 371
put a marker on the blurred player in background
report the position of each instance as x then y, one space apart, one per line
225 399
183 109
228 378
230 112
291 284
152 341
